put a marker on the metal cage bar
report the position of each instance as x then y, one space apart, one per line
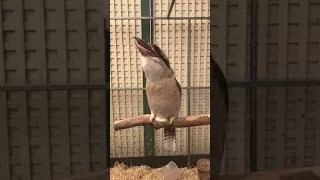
231 84
189 83
159 18
253 91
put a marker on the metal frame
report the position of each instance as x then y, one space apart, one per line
106 86
160 18
189 84
253 91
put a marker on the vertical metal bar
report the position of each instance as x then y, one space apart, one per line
132 131
303 68
317 133
64 121
283 91
241 93
42 66
151 40
221 58
149 133
122 95
2 49
4 134
150 21
253 91
262 92
5 170
106 113
22 95
82 47
116 142
189 90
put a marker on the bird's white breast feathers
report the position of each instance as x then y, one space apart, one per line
152 68
149 64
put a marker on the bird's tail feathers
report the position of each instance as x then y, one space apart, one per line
169 140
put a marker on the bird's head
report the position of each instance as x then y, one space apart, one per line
155 63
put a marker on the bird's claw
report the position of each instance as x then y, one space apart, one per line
153 123
171 120
153 118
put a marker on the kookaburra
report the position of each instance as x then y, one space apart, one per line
163 89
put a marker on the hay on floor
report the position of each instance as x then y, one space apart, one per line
121 172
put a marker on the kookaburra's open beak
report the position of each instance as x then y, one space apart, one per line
144 48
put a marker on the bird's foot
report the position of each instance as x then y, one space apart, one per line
153 118
171 120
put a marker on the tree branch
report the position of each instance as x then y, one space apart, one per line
180 122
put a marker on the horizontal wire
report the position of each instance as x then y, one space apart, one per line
106 86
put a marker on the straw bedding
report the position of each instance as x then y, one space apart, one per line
121 172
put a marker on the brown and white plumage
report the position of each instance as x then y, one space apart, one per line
163 90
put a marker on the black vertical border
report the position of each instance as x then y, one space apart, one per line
219 109
211 85
107 75
253 77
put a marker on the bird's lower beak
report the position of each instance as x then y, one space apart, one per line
143 47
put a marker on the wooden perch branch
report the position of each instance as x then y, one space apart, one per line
180 122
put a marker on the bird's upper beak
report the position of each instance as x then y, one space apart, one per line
144 48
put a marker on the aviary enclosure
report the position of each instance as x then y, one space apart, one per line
269 53
181 30
53 99
186 40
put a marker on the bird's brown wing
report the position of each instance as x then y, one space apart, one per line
164 97
161 55
179 87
